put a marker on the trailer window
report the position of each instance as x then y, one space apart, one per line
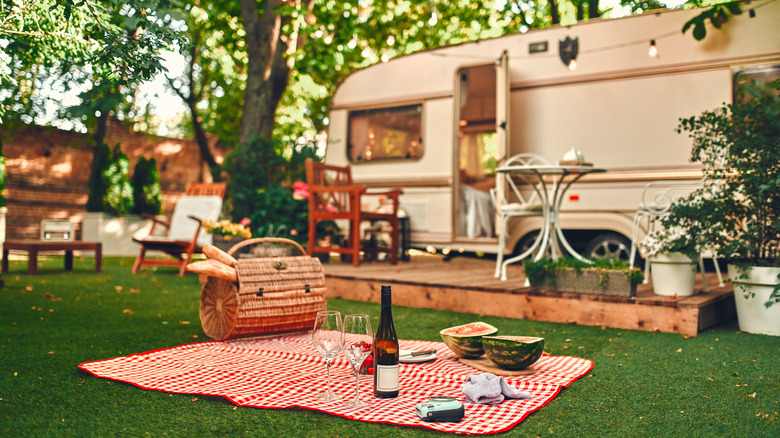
385 134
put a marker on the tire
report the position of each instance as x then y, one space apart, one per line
609 245
525 242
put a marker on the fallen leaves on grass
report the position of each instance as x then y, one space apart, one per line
128 311
134 291
753 395
184 322
118 288
52 297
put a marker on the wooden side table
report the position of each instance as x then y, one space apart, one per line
34 247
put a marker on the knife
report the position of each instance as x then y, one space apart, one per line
418 353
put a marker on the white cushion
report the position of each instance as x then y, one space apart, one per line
202 207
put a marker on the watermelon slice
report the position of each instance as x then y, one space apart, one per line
466 340
513 352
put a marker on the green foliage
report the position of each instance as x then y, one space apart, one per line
717 15
147 195
60 38
261 176
545 269
109 189
738 211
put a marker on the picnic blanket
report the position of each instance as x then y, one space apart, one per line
287 371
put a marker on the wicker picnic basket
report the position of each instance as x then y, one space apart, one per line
274 295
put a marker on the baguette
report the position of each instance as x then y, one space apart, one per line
217 254
215 269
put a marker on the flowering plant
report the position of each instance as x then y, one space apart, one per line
675 239
229 229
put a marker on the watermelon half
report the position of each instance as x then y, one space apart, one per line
466 340
513 352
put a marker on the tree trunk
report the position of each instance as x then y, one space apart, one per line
268 72
556 17
593 9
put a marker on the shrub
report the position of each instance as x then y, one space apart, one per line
109 190
147 196
260 187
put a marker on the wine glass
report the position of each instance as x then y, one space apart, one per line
357 342
327 341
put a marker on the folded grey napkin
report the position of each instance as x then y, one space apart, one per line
489 389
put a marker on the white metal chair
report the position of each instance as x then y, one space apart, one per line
514 203
657 199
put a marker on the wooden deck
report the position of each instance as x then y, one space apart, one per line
467 285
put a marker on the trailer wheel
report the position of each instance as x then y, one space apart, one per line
525 242
609 245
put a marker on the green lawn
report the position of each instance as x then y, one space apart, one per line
721 383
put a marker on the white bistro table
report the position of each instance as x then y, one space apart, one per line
551 183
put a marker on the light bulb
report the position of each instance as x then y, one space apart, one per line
573 65
653 52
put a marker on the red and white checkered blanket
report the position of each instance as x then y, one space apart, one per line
286 371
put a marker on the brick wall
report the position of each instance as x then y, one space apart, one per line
47 172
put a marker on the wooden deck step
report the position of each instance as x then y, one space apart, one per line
467 285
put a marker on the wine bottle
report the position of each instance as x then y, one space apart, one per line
386 366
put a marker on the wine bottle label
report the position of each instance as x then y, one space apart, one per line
386 377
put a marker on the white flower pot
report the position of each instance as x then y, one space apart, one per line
673 274
750 294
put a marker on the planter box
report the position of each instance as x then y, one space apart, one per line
612 282
115 233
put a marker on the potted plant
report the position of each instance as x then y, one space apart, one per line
109 204
739 208
226 233
672 251
568 274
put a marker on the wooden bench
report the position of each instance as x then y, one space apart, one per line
34 247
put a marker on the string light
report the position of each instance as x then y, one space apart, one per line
653 52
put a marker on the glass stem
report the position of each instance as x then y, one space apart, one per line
327 362
357 381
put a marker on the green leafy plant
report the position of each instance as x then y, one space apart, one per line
262 174
109 189
738 211
537 271
675 234
147 196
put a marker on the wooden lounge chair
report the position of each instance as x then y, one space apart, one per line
333 196
184 237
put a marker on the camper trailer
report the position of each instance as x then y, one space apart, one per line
437 123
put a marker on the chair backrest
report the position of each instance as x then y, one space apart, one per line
206 189
321 176
525 200
659 196
203 207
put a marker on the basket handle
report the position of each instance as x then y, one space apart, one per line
248 242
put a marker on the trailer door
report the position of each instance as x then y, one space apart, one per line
482 141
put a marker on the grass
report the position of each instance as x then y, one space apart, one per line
720 383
